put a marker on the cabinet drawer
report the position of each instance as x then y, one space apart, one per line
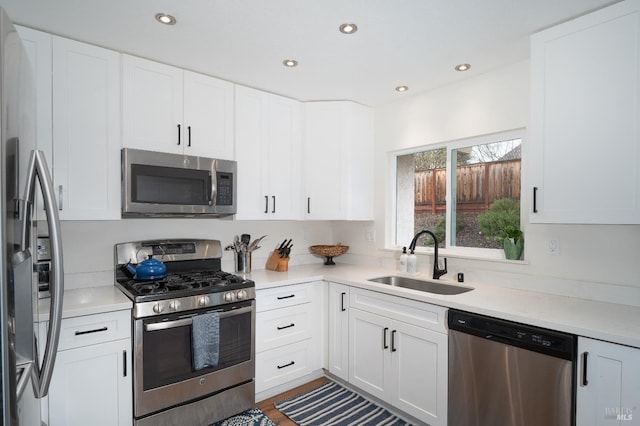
280 327
281 365
421 314
92 329
281 297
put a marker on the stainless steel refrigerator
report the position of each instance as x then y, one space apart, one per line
23 170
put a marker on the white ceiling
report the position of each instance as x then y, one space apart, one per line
399 42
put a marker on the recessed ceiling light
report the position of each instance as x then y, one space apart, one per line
290 63
462 67
402 89
163 18
348 28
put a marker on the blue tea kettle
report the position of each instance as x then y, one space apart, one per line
147 270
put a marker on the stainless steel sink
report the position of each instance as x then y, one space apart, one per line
421 285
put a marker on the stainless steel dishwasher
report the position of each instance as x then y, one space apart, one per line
508 374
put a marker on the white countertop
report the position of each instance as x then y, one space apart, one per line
599 320
87 301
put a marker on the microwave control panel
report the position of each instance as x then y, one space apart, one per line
224 196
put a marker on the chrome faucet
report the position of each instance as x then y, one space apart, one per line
437 272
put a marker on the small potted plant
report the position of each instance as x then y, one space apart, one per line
513 243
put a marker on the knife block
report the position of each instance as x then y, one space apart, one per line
277 263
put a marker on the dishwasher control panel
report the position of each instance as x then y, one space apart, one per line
526 336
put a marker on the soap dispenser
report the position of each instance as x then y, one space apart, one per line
404 257
412 263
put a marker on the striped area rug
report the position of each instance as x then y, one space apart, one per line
334 405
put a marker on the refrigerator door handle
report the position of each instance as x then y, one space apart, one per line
38 167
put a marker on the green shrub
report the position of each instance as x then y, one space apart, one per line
503 215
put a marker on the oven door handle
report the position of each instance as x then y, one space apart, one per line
165 325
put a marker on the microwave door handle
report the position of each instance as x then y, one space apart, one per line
38 166
214 188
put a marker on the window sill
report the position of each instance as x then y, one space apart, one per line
487 255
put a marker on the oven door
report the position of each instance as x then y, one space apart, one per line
164 375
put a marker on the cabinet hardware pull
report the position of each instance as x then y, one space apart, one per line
286 297
189 132
286 365
97 330
286 326
60 205
274 204
585 382
342 308
124 363
535 199
393 341
308 205
384 338
179 132
266 204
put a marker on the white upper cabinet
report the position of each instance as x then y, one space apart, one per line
86 130
268 155
38 47
168 109
584 135
338 161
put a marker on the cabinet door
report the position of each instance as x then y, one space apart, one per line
584 125
324 179
92 386
39 50
419 365
208 116
284 158
369 353
86 130
338 161
152 106
608 384
338 334
268 154
251 153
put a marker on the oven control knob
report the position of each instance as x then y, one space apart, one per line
229 296
174 305
158 308
241 294
203 301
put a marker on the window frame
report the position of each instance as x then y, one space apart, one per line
451 251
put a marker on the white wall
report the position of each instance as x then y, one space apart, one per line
595 262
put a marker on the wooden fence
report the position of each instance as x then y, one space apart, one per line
477 186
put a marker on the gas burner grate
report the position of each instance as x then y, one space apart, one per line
195 281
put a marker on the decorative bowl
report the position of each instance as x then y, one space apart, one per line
329 252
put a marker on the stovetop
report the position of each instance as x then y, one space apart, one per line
183 284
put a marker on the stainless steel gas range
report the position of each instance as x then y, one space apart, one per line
193 333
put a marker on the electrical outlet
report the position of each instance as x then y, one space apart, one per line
553 247
370 234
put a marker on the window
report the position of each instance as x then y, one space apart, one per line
466 192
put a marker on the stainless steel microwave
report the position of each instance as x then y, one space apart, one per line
157 184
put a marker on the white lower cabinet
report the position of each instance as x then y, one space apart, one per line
608 388
338 331
398 362
289 333
91 383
